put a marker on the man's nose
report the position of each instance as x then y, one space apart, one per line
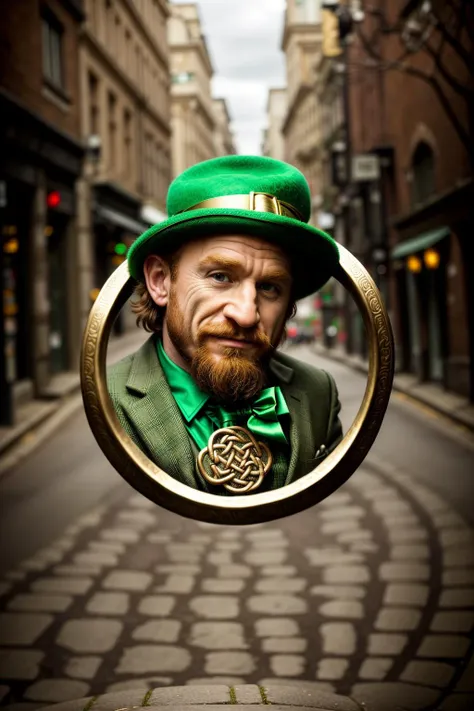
243 309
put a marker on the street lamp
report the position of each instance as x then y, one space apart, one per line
432 259
414 264
94 148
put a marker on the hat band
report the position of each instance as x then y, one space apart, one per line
258 202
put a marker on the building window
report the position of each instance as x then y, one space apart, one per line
159 172
139 67
118 47
92 13
155 89
53 50
146 163
128 52
146 80
94 128
109 25
423 172
127 130
112 130
182 77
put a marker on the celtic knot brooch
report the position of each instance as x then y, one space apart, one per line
236 460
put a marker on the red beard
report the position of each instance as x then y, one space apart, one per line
233 377
238 374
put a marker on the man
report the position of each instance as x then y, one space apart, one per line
208 397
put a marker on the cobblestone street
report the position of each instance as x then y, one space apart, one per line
372 593
368 595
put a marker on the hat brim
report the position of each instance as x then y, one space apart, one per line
313 253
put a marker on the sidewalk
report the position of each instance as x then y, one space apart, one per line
62 396
448 404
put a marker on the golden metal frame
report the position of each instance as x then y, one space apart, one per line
154 483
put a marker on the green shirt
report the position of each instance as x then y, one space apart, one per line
199 418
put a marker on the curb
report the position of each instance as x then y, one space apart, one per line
29 440
362 367
212 698
23 440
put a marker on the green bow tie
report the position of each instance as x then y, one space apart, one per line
262 414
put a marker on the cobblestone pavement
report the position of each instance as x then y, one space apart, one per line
370 595
193 698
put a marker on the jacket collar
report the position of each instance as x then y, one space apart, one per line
301 431
156 417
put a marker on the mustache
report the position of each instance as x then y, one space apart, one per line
253 335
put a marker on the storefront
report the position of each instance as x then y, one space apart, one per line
116 224
59 222
16 275
420 268
433 287
39 170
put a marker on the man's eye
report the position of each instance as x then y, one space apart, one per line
220 277
269 288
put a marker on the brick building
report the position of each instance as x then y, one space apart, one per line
85 167
41 159
429 193
407 200
125 114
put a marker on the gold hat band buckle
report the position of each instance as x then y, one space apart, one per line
257 202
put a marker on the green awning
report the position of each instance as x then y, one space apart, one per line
121 220
418 244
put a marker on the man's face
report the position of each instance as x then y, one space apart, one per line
226 309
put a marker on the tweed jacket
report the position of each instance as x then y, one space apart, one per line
150 415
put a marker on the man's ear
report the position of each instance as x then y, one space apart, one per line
157 278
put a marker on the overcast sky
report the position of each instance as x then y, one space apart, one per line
244 38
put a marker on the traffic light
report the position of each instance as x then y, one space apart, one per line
345 21
118 252
117 248
53 199
120 249
330 29
337 24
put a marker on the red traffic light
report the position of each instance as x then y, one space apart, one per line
53 199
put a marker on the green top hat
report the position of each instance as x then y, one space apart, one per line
248 195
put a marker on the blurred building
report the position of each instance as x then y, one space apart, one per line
223 136
427 188
306 133
41 160
125 124
274 141
192 116
336 215
398 181
301 44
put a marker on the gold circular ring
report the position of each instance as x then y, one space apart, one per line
154 483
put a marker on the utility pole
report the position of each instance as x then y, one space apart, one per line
348 185
337 22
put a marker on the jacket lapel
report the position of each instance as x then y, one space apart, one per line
301 432
156 416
